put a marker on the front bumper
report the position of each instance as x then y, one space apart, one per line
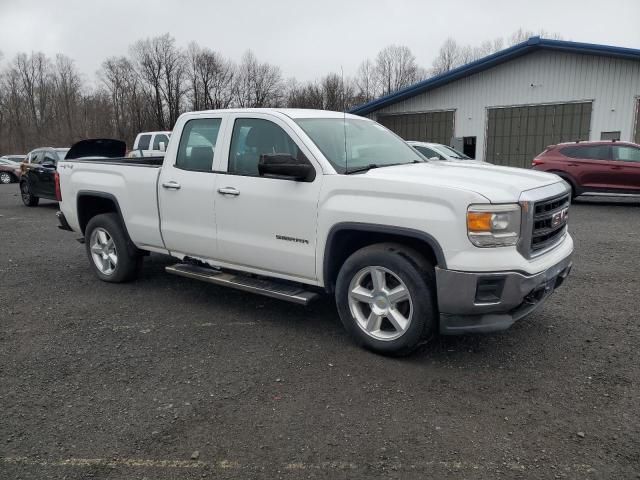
491 301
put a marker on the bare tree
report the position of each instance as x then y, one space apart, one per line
449 57
258 84
67 94
210 78
396 68
367 81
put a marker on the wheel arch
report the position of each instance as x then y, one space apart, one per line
567 177
90 203
346 238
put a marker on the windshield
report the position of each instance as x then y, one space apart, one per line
450 152
367 143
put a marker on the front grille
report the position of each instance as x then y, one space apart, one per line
550 218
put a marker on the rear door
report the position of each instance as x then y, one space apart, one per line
626 167
186 189
590 165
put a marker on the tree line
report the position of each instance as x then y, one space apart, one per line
47 101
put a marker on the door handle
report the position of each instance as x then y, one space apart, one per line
171 185
616 168
228 191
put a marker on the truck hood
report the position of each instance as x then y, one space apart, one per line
495 183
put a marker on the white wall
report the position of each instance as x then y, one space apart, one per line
557 77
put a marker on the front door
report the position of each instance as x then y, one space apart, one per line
266 223
45 175
186 190
626 167
30 173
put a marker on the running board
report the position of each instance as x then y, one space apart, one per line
269 288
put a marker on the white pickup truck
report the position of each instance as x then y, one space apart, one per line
294 203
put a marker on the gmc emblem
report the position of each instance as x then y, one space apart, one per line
560 217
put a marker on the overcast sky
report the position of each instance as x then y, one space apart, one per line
305 38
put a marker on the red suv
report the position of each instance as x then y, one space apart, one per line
594 167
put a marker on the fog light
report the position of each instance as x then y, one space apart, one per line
489 289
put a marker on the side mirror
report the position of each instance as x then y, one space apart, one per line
163 147
286 167
434 158
49 164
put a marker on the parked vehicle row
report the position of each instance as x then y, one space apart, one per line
293 203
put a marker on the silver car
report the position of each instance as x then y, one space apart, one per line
437 151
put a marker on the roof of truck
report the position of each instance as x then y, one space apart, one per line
289 112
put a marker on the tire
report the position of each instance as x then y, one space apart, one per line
370 313
111 255
27 198
6 178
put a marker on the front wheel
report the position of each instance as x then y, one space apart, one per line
385 295
5 178
108 249
28 198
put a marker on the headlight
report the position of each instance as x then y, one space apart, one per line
493 225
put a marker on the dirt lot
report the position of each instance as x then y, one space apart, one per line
168 378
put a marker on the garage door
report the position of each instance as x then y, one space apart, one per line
636 138
434 127
515 135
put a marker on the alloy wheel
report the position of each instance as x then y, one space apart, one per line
103 251
380 302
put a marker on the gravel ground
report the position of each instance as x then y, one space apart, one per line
169 378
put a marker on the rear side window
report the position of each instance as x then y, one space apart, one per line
198 144
160 138
143 143
591 152
626 154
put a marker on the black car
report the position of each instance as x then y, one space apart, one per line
38 171
39 167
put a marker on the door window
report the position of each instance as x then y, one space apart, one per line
253 137
593 152
160 138
36 157
198 144
143 143
50 158
626 154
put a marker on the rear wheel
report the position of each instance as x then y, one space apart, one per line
6 177
27 198
385 295
110 255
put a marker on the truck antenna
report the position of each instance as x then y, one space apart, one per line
344 122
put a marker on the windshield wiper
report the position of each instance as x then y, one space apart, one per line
378 165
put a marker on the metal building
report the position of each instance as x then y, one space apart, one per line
507 107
